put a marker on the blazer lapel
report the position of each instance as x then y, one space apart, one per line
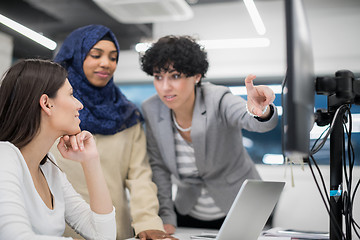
168 143
198 131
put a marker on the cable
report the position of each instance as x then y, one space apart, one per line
315 149
317 185
348 159
327 200
347 203
319 138
348 199
331 214
354 223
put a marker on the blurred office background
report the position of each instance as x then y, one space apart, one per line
256 28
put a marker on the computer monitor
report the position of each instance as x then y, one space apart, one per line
299 84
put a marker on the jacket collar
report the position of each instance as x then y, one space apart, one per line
198 130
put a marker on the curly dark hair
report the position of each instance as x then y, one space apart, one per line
183 53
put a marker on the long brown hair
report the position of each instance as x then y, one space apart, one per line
21 88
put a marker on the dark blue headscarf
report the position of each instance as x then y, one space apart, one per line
106 110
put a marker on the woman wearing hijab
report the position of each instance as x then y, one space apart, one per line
90 54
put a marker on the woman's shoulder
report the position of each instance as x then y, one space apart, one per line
10 157
214 88
8 149
213 91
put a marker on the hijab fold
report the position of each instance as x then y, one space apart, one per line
106 110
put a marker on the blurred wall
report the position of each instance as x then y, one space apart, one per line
6 48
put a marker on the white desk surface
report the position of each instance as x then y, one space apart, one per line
185 233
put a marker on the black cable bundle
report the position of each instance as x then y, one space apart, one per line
348 161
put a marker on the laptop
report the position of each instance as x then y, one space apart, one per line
249 212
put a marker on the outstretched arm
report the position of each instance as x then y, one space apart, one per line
258 97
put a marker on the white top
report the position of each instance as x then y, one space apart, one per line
24 215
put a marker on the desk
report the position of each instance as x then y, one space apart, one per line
185 233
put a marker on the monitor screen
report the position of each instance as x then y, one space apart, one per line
299 84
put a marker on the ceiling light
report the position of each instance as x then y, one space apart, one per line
146 11
255 16
221 44
27 32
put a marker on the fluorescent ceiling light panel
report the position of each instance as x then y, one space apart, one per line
27 32
221 44
146 11
255 16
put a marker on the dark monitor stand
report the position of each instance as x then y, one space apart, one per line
299 88
341 90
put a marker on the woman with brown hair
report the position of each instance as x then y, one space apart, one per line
37 107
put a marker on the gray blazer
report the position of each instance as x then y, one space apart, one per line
216 134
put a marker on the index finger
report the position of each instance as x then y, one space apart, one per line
249 82
80 141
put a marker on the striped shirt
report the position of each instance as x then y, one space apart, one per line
205 208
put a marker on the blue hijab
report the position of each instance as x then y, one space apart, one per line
106 110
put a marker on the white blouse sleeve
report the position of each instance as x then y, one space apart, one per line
82 219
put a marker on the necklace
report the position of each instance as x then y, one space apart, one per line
178 126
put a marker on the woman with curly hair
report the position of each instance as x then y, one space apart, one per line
194 134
